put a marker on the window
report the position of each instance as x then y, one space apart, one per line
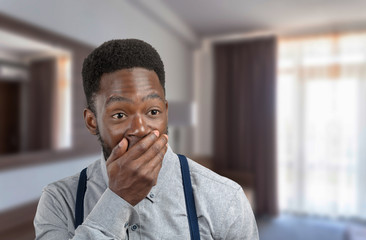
321 125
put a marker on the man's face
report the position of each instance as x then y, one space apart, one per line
130 104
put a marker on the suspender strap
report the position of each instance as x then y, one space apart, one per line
79 207
188 194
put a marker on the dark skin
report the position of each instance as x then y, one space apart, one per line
131 119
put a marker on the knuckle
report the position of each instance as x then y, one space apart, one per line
142 146
161 153
163 140
134 169
147 176
150 179
156 149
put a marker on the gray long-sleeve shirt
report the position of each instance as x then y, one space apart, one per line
222 208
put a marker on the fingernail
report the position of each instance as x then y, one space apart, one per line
167 137
156 132
120 143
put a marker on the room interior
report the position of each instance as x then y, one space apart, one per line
244 81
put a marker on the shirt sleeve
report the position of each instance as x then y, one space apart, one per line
241 218
107 220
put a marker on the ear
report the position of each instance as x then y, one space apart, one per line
90 121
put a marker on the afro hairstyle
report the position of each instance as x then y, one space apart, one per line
115 55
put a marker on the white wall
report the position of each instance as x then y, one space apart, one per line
93 22
204 97
22 185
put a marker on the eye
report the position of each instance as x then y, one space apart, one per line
119 115
154 112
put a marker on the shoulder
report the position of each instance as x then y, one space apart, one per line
215 190
209 179
57 203
219 200
67 187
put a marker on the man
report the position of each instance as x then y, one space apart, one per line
135 190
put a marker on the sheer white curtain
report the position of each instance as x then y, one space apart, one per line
321 125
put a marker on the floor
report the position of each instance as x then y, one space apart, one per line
23 232
289 227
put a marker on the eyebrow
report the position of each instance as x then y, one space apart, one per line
113 99
152 96
124 99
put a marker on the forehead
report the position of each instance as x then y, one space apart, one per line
130 82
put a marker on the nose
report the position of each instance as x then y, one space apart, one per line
138 127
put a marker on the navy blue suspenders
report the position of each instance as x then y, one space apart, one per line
188 195
79 205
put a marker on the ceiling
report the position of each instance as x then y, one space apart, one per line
218 17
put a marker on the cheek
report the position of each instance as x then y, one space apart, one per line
161 125
112 134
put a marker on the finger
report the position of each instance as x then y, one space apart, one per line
155 165
149 158
143 145
157 161
167 139
118 151
158 148
160 145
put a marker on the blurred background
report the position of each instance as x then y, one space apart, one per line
268 93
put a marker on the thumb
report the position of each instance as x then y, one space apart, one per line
118 151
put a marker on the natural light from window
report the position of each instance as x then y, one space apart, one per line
321 125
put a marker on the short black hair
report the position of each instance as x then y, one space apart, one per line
115 55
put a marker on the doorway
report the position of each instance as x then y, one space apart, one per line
9 116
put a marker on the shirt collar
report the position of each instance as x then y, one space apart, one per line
170 158
104 169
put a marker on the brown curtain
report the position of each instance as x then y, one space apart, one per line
244 115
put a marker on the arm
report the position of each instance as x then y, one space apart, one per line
241 219
131 175
106 221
